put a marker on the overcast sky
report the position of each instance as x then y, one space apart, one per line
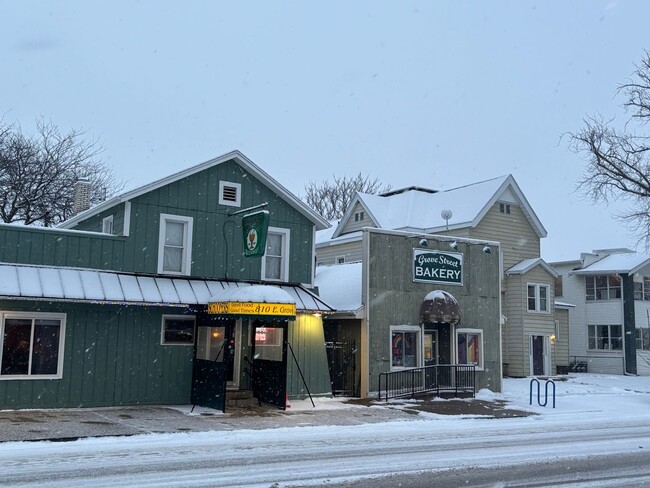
435 94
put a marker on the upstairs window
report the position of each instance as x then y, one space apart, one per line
31 345
358 216
107 225
504 208
558 286
538 298
603 287
229 194
642 289
275 263
175 244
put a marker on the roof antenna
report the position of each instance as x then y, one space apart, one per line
446 214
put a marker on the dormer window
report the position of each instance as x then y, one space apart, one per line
229 194
504 208
358 216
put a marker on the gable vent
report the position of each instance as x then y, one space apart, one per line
229 194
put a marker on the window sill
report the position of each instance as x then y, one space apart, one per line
7 377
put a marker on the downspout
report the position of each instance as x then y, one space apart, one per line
629 326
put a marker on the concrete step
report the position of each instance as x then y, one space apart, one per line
240 398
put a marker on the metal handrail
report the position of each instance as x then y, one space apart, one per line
454 378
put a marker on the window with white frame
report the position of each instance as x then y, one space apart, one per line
275 263
642 289
177 330
605 337
603 287
643 339
538 298
175 244
404 346
469 347
340 259
229 194
31 345
107 225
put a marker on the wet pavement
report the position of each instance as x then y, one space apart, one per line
71 424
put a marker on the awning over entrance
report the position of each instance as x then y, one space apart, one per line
265 301
440 307
54 283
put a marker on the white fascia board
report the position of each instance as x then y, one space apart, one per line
537 262
258 172
348 215
523 202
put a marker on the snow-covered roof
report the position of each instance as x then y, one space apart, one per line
620 263
241 159
340 286
526 265
421 210
19 281
563 304
254 293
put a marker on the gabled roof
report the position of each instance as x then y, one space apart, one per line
619 263
242 160
526 265
420 210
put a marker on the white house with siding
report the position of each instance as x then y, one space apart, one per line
609 329
494 210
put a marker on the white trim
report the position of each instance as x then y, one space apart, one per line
186 260
230 184
107 225
418 346
537 308
239 158
35 315
339 259
284 263
186 318
481 350
127 219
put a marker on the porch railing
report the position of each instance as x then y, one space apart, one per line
441 378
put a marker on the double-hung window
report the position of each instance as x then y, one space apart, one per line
175 244
469 344
603 287
275 263
31 345
606 337
538 298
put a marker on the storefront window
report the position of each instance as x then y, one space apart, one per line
404 349
31 345
178 330
470 345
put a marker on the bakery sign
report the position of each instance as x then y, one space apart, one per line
437 267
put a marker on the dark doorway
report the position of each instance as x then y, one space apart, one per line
213 360
341 359
269 352
537 355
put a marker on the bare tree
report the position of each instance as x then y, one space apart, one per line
38 174
331 199
618 158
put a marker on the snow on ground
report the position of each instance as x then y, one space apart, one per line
594 415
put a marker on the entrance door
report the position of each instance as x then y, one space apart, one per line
431 357
269 350
212 364
539 357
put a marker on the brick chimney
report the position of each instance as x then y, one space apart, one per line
81 196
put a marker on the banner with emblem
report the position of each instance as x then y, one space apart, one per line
255 227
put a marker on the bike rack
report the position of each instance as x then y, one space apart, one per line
539 399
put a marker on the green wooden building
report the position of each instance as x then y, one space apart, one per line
150 298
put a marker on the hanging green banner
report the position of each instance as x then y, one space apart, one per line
255 227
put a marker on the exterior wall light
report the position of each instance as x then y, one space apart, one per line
487 250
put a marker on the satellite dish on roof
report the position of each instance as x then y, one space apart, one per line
446 214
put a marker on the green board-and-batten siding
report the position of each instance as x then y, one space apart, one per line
113 356
217 243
